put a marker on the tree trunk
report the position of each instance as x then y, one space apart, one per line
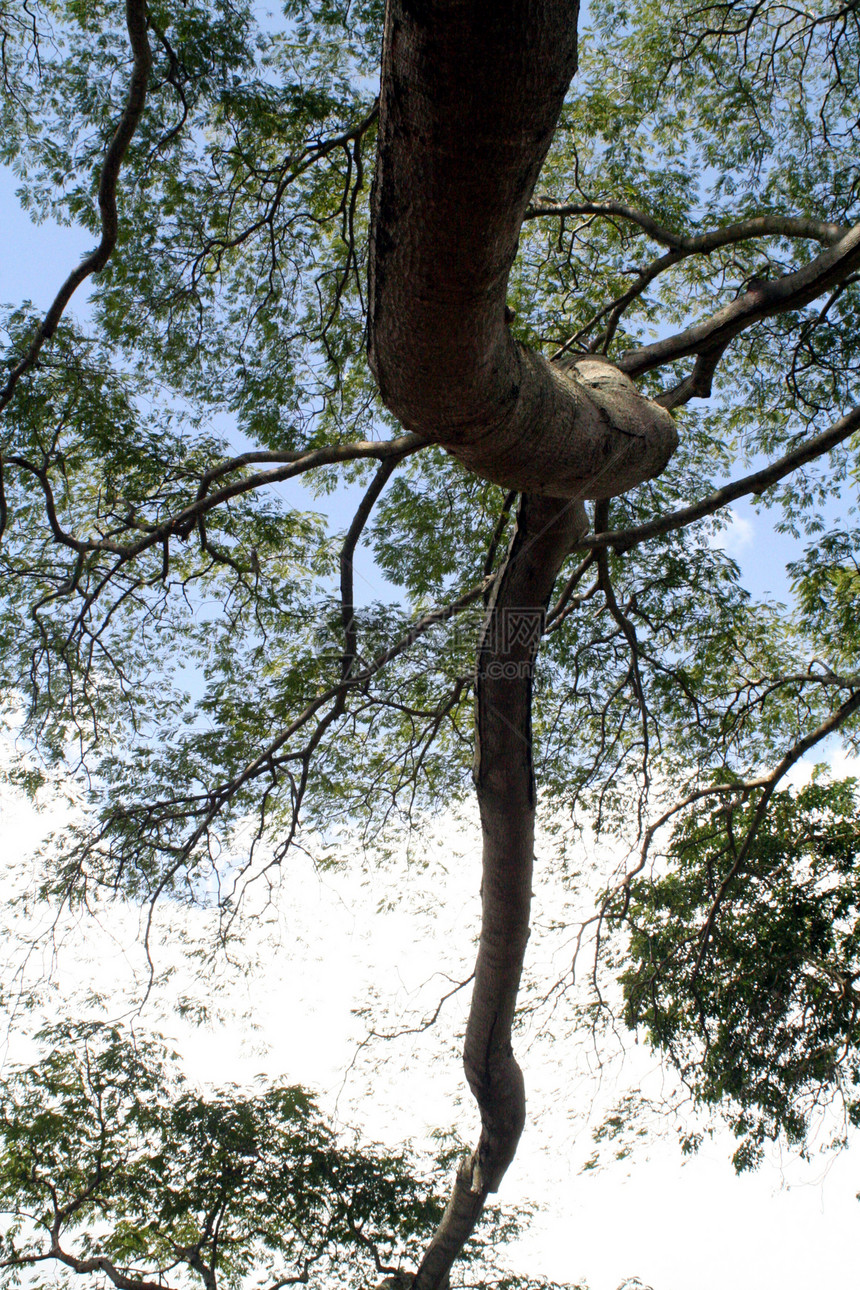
470 96
547 530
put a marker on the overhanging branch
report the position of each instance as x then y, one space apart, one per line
136 22
764 300
789 226
757 482
183 522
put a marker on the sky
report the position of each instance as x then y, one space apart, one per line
334 942
328 950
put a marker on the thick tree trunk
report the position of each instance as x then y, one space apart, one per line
470 96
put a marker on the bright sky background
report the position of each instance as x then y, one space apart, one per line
328 950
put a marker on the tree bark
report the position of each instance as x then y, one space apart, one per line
547 530
470 95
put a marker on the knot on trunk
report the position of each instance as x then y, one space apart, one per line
578 429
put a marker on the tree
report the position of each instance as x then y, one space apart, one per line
170 1187
697 240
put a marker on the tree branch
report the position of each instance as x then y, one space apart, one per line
136 22
682 247
100 1263
790 291
604 582
757 483
182 524
800 226
347 593
440 347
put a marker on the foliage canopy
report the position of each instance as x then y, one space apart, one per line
187 473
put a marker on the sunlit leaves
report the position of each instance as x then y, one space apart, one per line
106 1151
827 581
743 964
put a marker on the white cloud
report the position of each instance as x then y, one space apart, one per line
342 939
737 536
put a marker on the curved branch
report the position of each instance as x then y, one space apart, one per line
682 247
604 582
790 291
817 230
347 591
471 94
698 384
181 524
303 459
100 1263
498 531
174 78
136 22
757 482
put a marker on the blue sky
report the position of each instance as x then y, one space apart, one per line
36 257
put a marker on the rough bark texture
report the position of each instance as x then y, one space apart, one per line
471 92
547 530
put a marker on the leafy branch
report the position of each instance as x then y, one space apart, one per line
136 22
